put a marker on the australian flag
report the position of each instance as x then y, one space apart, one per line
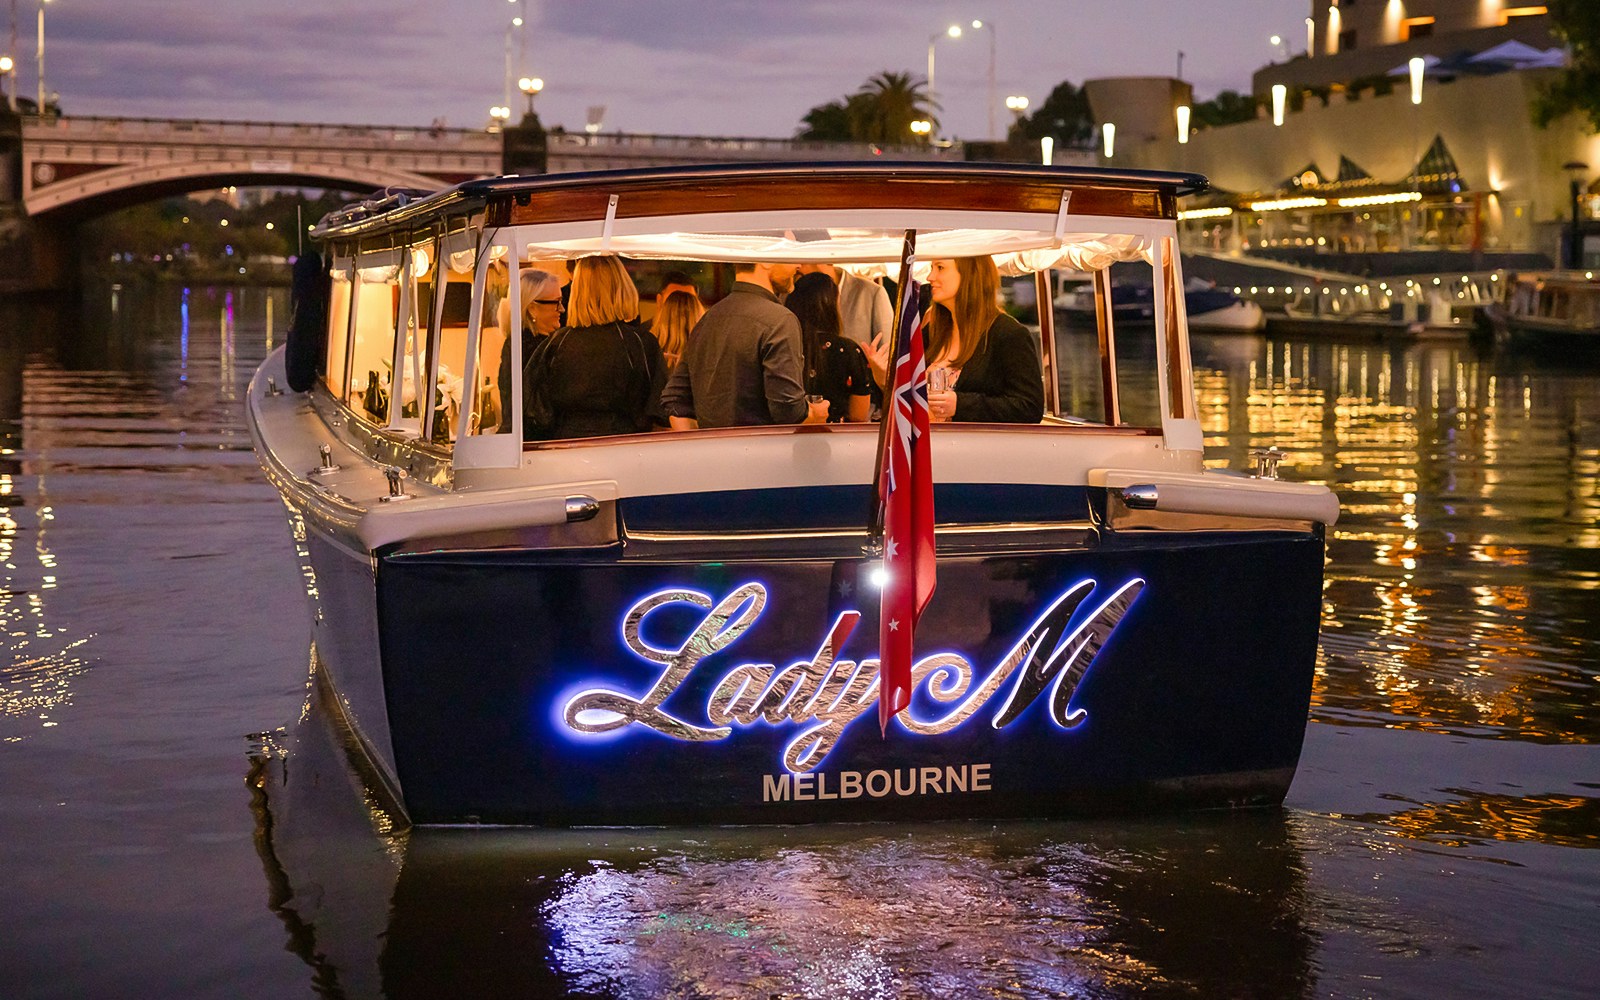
906 490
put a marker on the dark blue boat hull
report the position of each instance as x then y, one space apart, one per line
1196 696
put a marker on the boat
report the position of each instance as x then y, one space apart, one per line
679 627
1552 310
1207 306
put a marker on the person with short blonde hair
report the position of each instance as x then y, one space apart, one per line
600 374
602 292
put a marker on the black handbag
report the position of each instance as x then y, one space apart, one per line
538 412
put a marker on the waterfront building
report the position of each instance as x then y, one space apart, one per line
1402 140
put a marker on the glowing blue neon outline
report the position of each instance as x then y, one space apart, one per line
695 598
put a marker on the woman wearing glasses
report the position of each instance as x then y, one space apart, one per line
541 316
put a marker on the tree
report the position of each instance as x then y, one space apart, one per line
1227 108
881 111
1064 116
1577 89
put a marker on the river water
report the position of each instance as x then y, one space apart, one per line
176 819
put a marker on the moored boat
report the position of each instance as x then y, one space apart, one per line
678 626
1554 311
1207 306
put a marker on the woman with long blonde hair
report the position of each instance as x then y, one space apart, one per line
676 316
600 373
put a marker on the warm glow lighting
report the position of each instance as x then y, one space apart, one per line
1183 123
6 64
921 127
954 31
1047 149
1109 130
1017 102
530 84
1418 67
879 576
1280 204
1280 98
1380 199
1220 212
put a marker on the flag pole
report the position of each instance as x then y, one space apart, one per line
874 546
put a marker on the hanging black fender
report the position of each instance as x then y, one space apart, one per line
308 322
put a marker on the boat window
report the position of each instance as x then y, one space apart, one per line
338 330
450 351
373 320
412 330
490 413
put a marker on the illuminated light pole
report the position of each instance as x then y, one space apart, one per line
8 67
922 128
39 56
1183 123
990 26
1418 66
1016 104
530 85
516 22
1109 131
498 115
1280 97
1047 150
954 31
1311 38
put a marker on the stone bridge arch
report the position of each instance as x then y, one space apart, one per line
77 167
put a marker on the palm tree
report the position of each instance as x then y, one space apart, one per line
886 105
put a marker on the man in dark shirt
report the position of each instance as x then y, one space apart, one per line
743 363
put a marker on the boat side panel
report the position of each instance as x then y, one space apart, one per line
345 629
1198 696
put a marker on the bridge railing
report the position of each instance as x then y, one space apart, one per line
198 131
202 131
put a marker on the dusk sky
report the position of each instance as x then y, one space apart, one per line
711 67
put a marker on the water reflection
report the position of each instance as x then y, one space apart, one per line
91 390
1214 907
1460 579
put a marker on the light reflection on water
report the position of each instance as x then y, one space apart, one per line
1439 838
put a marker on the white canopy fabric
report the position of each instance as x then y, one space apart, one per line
870 252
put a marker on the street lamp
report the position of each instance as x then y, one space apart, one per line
516 22
1016 104
922 128
1280 98
989 25
498 115
1577 173
954 31
8 67
1418 66
1109 130
530 85
39 56
1183 123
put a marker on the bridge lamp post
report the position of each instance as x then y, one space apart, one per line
8 67
530 85
1017 105
498 115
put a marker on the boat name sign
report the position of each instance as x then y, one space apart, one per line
825 694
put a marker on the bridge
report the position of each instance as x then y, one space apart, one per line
86 166
57 171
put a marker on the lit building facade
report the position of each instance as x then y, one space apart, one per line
1405 134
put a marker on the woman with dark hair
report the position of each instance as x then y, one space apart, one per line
835 366
993 357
